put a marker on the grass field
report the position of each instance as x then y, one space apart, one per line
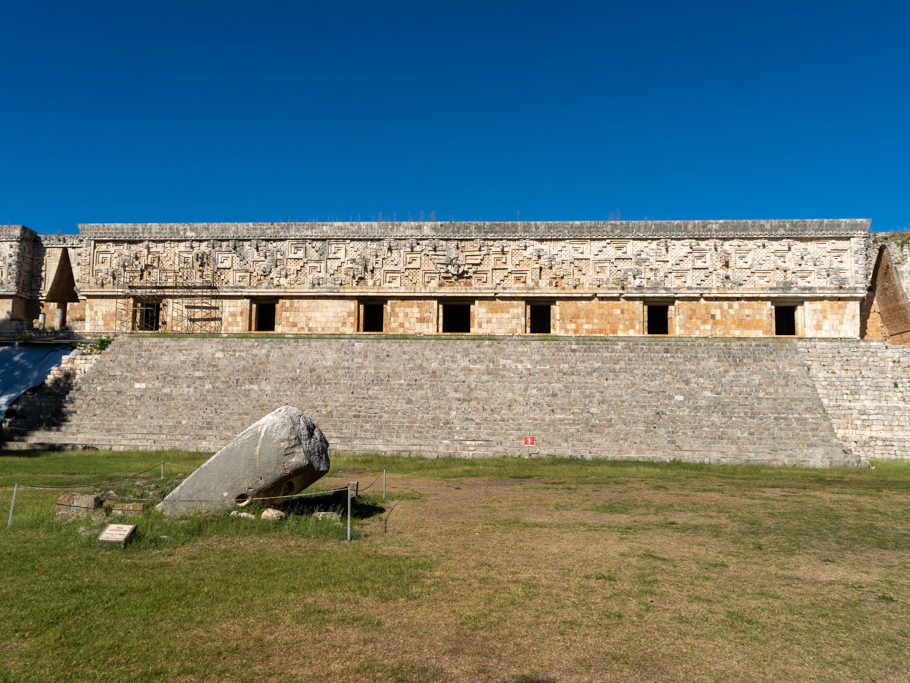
501 569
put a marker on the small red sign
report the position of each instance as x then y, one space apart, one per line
529 441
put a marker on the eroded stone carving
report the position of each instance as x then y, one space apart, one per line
747 265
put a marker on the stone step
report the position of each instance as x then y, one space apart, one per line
673 400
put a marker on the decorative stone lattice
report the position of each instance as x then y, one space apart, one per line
316 273
608 266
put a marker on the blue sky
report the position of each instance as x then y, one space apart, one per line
229 111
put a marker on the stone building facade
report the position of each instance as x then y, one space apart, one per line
808 278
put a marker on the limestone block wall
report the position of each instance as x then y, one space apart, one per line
508 316
698 401
496 316
316 316
18 247
886 310
600 272
621 317
724 318
100 315
720 278
412 316
540 258
13 309
49 405
899 252
865 387
838 319
235 315
75 315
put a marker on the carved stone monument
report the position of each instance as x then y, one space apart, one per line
279 455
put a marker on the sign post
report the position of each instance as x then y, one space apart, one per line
12 505
349 511
529 441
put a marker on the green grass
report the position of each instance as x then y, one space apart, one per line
503 569
573 471
63 468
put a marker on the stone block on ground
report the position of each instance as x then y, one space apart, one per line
324 514
279 455
123 509
78 506
271 514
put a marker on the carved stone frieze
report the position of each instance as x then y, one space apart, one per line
547 266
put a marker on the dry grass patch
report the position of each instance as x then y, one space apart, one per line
502 570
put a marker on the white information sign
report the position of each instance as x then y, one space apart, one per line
117 533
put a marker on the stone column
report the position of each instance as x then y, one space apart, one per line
60 316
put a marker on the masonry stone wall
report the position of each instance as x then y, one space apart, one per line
48 406
599 317
236 315
720 278
493 316
500 316
722 318
837 319
865 388
888 317
101 315
495 265
316 316
190 391
697 401
18 296
898 245
610 265
412 316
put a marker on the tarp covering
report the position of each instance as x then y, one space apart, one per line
23 366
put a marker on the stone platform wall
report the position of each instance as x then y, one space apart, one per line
701 401
865 387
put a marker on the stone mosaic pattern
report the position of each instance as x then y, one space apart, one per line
17 254
614 267
596 273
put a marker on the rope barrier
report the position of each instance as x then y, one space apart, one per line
96 484
346 472
83 486
309 494
366 488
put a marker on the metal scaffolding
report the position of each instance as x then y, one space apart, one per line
182 300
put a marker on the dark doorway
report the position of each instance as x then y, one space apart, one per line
658 319
265 317
539 318
785 320
148 315
456 318
371 317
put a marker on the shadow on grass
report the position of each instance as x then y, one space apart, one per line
362 507
21 454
